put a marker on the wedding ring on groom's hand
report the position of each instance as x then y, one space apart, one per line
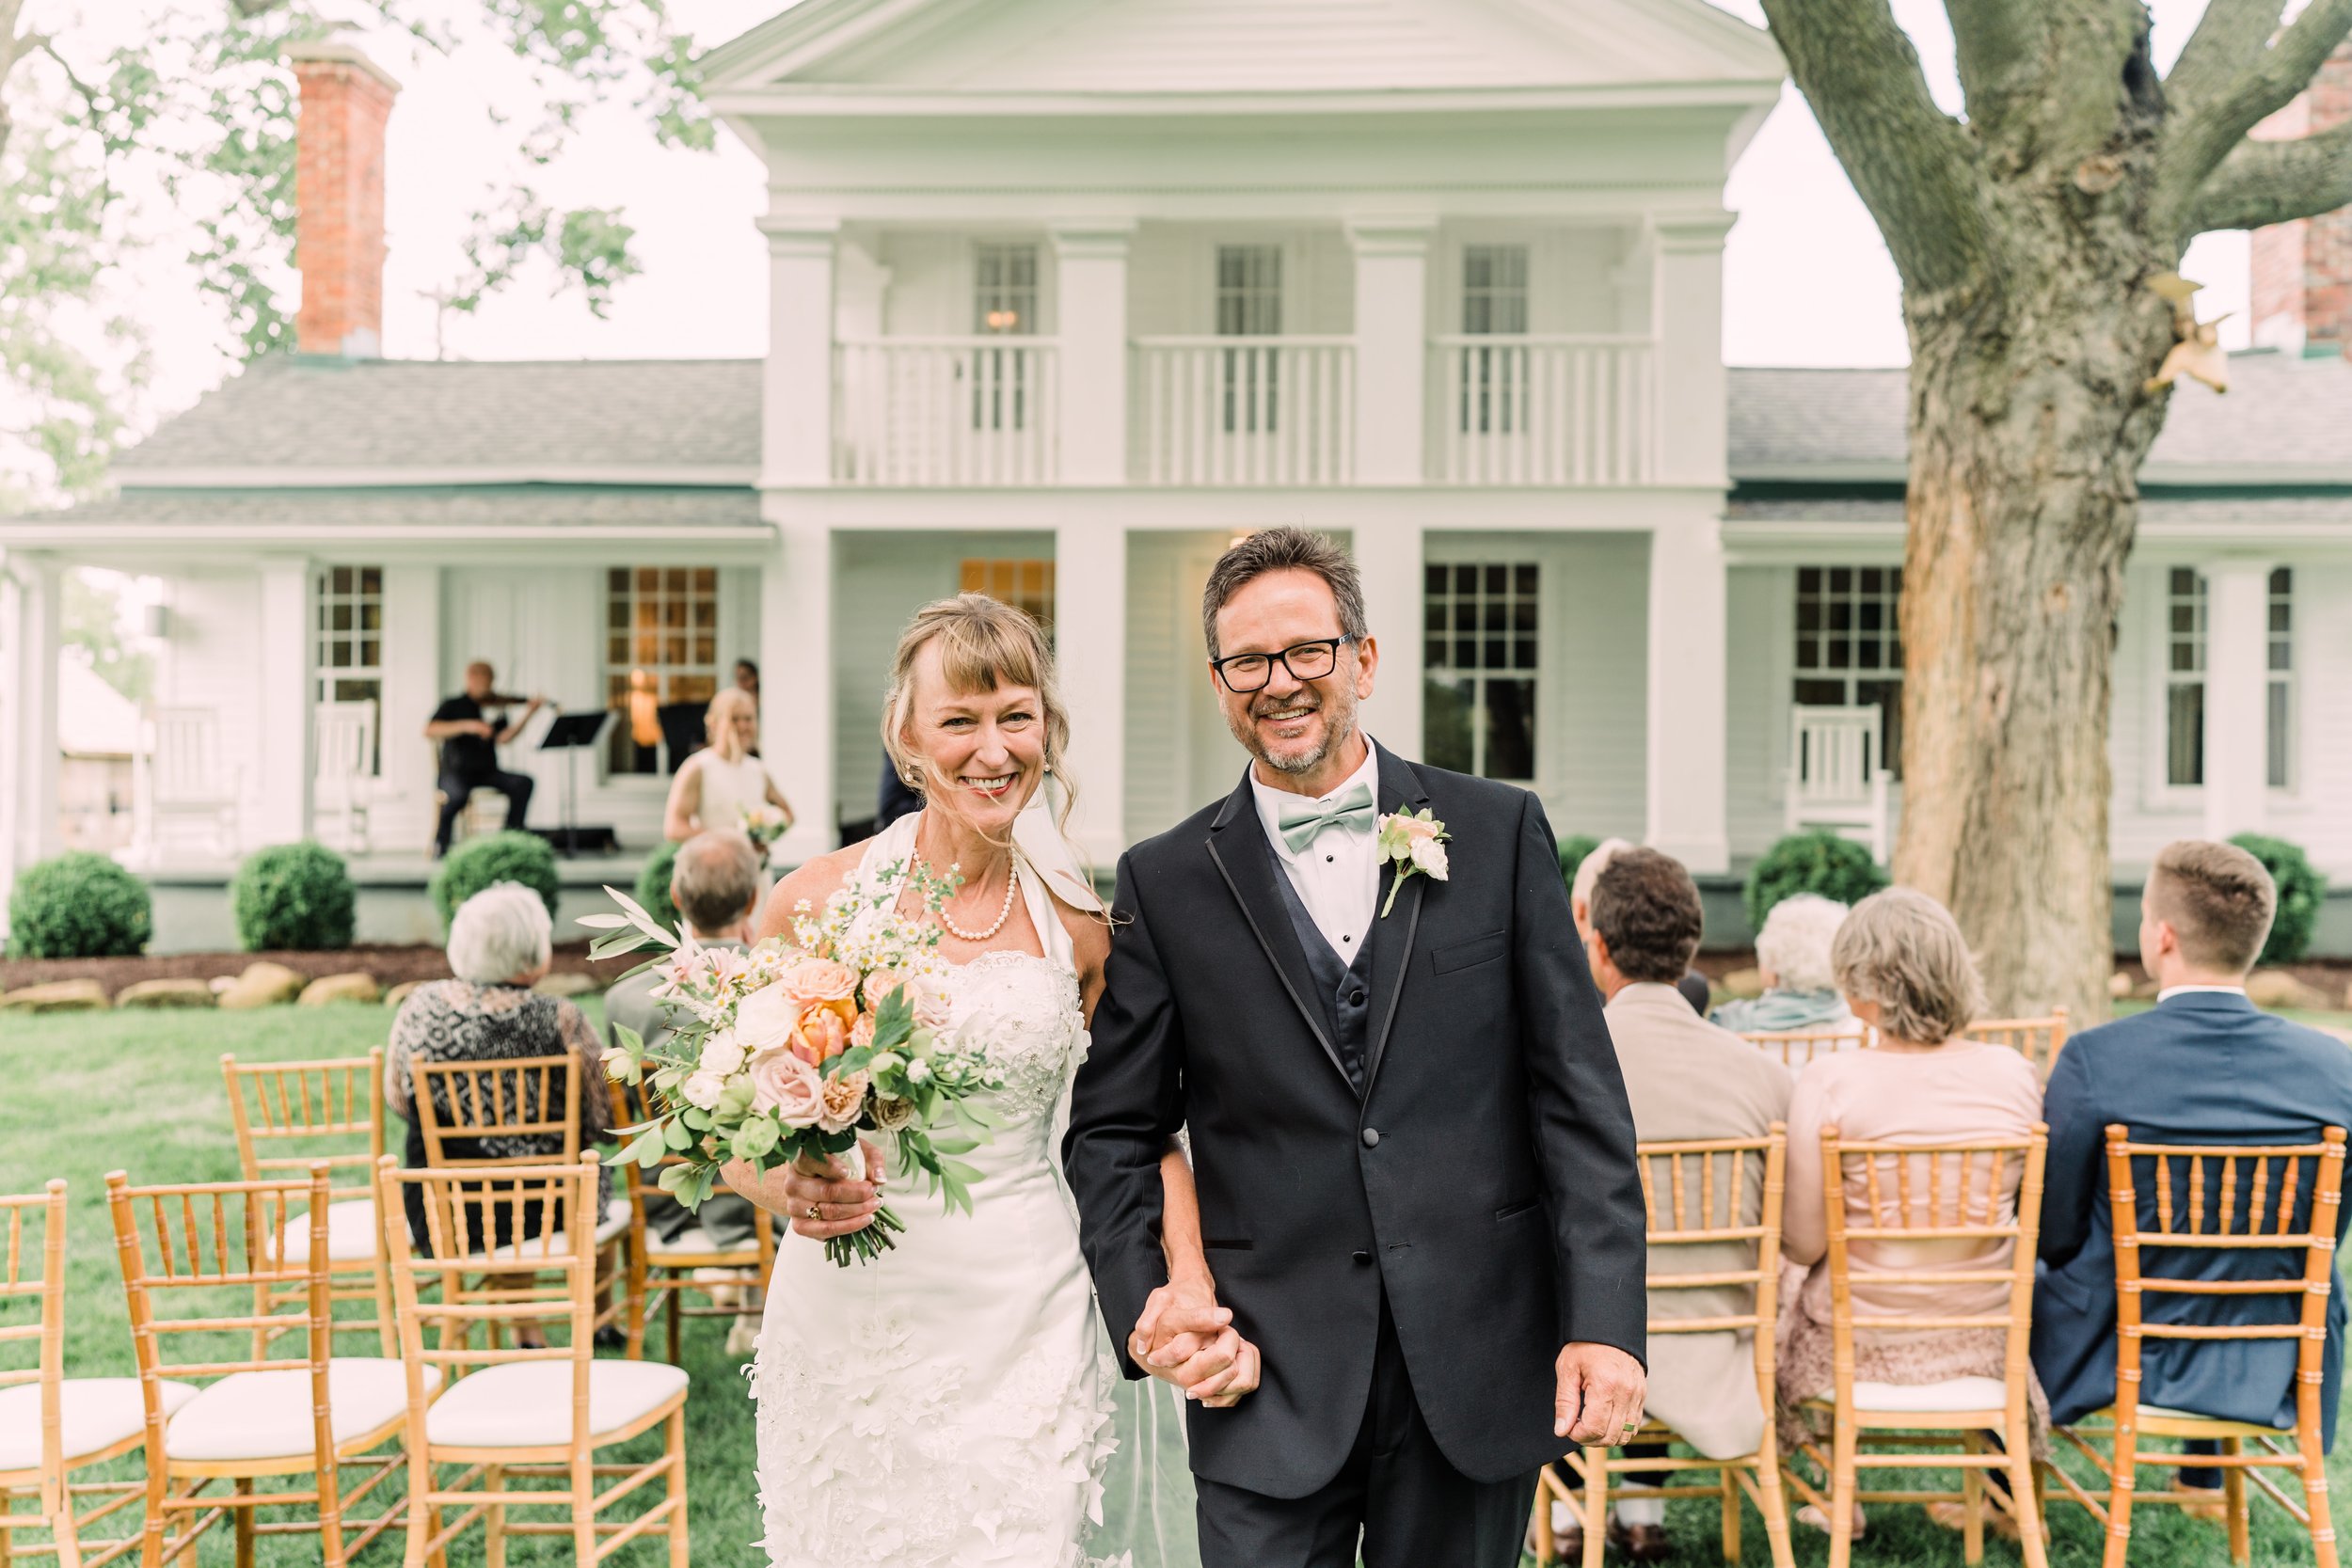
812 1212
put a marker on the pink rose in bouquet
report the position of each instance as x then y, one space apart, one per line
784 1083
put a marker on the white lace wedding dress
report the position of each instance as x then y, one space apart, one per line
950 1405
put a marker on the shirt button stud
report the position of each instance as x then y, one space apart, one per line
1362 1259
1355 999
1372 1137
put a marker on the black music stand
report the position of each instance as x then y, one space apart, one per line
572 733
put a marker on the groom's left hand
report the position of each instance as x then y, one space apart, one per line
1599 1395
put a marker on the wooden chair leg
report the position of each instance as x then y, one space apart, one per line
633 1313
1596 1506
1731 1513
2123 1481
1972 1504
438 1556
1539 1524
680 1539
244 1523
1842 1486
2316 1492
494 1518
152 1527
420 1521
2024 1502
2234 1503
584 1484
1774 1500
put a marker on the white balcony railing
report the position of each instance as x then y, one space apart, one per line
1254 411
1547 409
946 411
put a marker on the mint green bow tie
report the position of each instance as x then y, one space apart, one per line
1301 823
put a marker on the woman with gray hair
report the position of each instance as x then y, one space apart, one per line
1799 987
1906 972
500 946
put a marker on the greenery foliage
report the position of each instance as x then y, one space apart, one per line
502 857
78 906
1572 853
1819 861
297 897
652 884
2301 889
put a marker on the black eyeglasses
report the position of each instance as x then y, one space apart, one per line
1306 661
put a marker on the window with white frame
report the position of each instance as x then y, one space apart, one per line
1849 645
1026 585
1004 305
1494 304
2185 664
1482 654
661 650
1250 305
347 650
2281 639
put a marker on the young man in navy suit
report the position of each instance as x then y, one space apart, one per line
2205 1066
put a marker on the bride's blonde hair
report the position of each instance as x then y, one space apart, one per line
983 644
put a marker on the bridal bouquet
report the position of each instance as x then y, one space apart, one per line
797 1047
763 825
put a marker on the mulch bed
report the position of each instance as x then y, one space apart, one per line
390 965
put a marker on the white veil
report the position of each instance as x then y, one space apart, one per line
1148 1519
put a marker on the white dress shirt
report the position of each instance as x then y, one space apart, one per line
1338 875
2171 992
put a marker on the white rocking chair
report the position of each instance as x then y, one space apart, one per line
346 768
192 778
1837 773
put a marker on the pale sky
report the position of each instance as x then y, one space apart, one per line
1807 280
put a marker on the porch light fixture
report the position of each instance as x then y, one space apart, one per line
1003 320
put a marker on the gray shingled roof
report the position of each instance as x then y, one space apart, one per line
2282 410
485 506
2166 508
297 414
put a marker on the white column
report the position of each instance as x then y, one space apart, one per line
796 736
29 608
1689 386
1687 711
1388 555
1091 647
796 418
283 711
403 809
2237 696
1092 330
1392 349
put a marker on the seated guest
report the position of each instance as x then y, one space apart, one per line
470 742
896 798
1693 985
1905 971
719 786
1792 955
1686 1080
499 946
2202 1066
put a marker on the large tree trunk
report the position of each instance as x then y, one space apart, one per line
2025 442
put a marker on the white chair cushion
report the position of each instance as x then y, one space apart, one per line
539 1249
350 1232
528 1404
267 1415
1928 1399
99 1412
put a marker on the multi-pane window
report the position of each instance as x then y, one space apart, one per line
1849 645
2280 664
1250 305
1004 305
1494 304
2185 634
1026 585
661 648
1480 650
348 646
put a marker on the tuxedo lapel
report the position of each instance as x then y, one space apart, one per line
1393 949
1237 843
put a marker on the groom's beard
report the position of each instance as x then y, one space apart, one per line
1340 723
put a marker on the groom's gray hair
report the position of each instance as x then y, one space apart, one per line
1284 549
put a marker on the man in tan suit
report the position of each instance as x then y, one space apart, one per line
1687 1079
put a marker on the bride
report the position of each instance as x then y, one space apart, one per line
952 1402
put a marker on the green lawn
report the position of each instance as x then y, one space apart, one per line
141 1091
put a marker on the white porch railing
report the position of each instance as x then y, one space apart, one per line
1244 411
1544 409
946 411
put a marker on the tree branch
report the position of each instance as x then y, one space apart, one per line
2275 181
1912 163
2229 41
2214 109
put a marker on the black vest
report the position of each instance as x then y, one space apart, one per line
1346 988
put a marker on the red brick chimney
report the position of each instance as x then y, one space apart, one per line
339 198
2302 271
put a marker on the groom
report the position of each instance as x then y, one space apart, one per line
1415 1160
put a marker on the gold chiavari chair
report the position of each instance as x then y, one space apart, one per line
299 1107
1917 1199
2037 1039
657 1266
2210 1200
1713 1208
1797 1047
198 1262
517 1412
52 1425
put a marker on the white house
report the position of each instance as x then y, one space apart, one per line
1065 294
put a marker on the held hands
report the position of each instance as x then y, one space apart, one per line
1600 1396
819 1198
1185 1338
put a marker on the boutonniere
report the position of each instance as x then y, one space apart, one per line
1415 843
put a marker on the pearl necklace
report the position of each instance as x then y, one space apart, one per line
1012 885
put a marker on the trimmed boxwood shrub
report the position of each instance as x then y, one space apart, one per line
79 905
2301 890
294 896
502 857
1819 861
1572 853
652 884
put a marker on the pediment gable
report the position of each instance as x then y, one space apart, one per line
1016 47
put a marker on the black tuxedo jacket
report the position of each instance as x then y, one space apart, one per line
1484 1182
